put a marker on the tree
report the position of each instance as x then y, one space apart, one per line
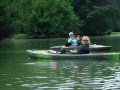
8 15
47 18
4 23
100 17
100 21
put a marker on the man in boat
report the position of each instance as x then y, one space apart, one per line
72 40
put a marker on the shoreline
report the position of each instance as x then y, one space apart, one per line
23 36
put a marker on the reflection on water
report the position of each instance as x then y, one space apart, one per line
18 72
74 75
53 65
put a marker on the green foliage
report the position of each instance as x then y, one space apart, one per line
8 15
100 17
56 18
101 21
47 18
82 8
4 26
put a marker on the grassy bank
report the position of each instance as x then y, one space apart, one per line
115 33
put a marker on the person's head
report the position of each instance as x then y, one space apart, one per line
85 40
77 36
71 35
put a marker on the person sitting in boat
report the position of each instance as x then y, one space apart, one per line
77 36
71 40
84 47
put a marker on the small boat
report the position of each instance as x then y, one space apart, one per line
44 54
93 48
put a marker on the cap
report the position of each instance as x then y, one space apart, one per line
71 33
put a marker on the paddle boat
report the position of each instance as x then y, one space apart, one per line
92 48
54 55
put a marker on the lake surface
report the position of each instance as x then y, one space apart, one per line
19 72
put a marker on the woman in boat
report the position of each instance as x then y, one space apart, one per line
84 47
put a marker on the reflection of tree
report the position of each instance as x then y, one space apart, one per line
76 74
88 73
44 66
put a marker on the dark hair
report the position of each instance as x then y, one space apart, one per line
76 34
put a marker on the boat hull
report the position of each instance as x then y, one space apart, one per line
45 55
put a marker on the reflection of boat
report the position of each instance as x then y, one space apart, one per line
44 54
93 48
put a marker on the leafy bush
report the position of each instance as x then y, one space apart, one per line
100 21
47 18
100 17
4 20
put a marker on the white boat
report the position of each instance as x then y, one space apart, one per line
92 48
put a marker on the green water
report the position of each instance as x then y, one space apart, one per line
19 72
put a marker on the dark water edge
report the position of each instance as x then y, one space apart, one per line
19 72
110 40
